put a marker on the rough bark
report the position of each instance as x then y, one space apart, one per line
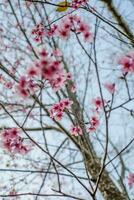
121 22
107 187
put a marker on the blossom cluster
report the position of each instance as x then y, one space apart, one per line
74 24
25 86
70 23
127 62
94 123
77 3
57 109
48 67
94 120
12 141
38 31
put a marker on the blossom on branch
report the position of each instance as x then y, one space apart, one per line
57 109
127 62
12 141
76 130
97 102
94 123
77 3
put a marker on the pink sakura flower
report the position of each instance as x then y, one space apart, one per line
57 52
31 86
87 36
63 33
38 31
22 81
127 62
22 92
43 53
77 3
43 63
52 30
12 141
66 23
25 87
8 85
72 23
48 68
82 27
76 130
58 116
57 82
63 29
75 18
66 103
22 87
94 123
57 109
32 71
98 103
51 70
131 180
110 87
85 30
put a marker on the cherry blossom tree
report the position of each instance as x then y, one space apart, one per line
67 99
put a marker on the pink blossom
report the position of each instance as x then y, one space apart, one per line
63 33
82 27
131 179
22 81
127 62
12 141
25 86
32 71
8 85
38 31
98 103
57 82
57 52
49 69
58 116
57 109
87 36
52 30
110 87
94 123
76 130
43 53
72 23
66 103
77 3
